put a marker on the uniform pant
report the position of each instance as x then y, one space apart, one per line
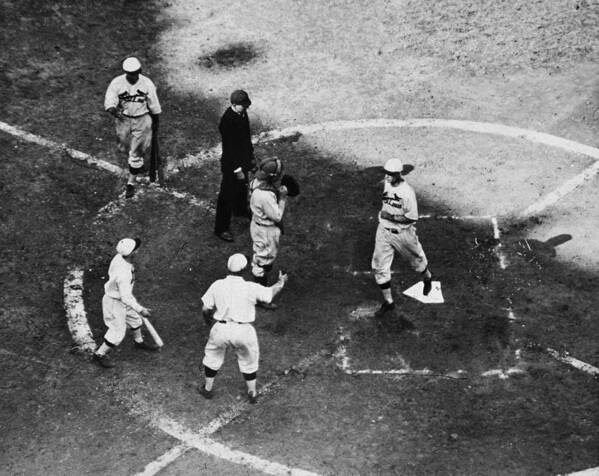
134 136
405 242
241 337
117 317
265 246
232 200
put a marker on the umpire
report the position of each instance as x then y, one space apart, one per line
229 305
236 162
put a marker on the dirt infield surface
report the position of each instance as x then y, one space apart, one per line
467 387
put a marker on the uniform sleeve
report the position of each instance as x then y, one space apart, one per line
261 293
111 99
125 285
273 210
411 207
208 298
153 103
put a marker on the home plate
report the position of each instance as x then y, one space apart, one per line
434 297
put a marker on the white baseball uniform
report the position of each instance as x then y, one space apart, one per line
135 101
119 307
267 212
393 236
234 300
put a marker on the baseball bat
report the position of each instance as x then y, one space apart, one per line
153 332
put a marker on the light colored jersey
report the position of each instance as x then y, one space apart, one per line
235 298
398 200
266 210
133 99
120 282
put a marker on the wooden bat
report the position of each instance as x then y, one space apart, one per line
152 332
155 159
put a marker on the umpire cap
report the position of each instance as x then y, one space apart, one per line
239 96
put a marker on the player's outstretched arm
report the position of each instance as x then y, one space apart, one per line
279 285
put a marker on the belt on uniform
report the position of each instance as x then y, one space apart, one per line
265 224
395 231
135 117
235 322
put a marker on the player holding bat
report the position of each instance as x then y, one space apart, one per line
119 307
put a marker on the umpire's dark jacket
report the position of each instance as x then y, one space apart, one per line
238 150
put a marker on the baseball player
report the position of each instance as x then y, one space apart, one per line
267 203
131 98
229 306
119 307
397 232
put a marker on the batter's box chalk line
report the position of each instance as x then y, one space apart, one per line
344 361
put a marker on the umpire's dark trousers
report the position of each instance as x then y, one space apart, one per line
232 200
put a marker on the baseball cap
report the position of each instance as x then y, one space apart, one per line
393 166
236 262
271 167
127 246
239 96
131 65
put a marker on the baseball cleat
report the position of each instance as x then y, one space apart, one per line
103 361
427 286
385 307
129 190
252 397
207 394
143 345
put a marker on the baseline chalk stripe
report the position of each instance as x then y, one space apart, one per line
218 450
585 472
75 310
578 364
561 191
200 440
22 357
166 459
75 154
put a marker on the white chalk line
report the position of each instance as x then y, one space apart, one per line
585 472
75 310
200 440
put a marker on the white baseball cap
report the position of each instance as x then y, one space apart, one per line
131 65
127 246
237 262
393 166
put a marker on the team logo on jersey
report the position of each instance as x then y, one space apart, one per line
140 96
394 201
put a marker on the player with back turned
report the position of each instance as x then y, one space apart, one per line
396 231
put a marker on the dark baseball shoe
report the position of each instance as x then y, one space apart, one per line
252 397
129 190
224 235
103 361
143 345
207 394
427 286
384 309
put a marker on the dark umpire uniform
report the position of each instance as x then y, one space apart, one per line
236 161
